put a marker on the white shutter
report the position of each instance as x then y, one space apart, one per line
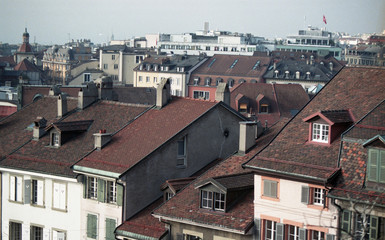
25 231
12 187
40 192
19 189
54 235
45 234
62 196
56 195
61 236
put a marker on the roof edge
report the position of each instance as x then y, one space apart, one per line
95 171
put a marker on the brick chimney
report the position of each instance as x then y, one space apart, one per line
62 105
163 95
247 136
39 128
102 138
223 93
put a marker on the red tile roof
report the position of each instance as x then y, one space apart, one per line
147 133
185 206
27 66
36 156
30 92
25 48
358 89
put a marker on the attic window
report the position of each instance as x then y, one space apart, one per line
213 200
235 62
243 107
55 139
212 62
320 133
264 108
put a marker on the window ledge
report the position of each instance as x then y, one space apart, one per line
60 210
38 206
318 143
317 207
17 202
270 198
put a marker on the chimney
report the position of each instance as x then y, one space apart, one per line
223 93
54 91
62 105
163 95
87 95
102 138
39 128
104 86
247 135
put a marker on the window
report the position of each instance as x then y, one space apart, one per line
320 132
58 235
14 231
207 48
55 139
207 199
264 108
219 201
113 57
110 228
201 95
140 79
181 156
270 230
86 77
36 233
376 166
148 79
293 232
105 66
318 196
92 223
111 192
92 187
16 188
313 196
317 235
155 80
168 195
190 237
37 192
116 66
59 195
270 188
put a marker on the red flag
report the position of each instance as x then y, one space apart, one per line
324 19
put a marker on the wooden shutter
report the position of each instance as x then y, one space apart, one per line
56 197
280 231
110 228
40 193
119 194
46 234
345 221
62 196
101 190
373 231
27 191
92 221
257 226
305 194
12 188
381 171
330 237
302 234
61 236
19 188
372 165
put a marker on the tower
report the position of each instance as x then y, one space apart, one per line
25 36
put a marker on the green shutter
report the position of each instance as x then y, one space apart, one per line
381 167
330 237
27 191
372 165
280 231
92 221
305 195
373 231
101 190
119 194
257 234
302 234
345 221
84 186
110 228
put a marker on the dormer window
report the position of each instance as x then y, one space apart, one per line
55 139
61 132
213 200
320 133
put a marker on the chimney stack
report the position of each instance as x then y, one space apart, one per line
163 95
247 135
223 93
62 105
102 138
87 95
54 91
39 128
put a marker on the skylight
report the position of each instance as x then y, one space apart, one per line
235 62
256 64
212 62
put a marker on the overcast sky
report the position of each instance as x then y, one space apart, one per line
55 22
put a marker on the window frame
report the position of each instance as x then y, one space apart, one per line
182 156
201 94
319 134
37 192
62 204
55 139
375 166
92 188
111 192
268 195
36 232
15 230
16 189
207 197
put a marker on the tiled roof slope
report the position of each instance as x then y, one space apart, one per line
357 89
36 156
13 129
282 98
27 66
29 92
353 160
186 205
221 66
144 135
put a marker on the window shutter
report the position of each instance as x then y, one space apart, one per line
302 234
61 236
305 195
27 191
345 221
62 196
119 194
45 234
266 188
372 165
329 237
40 192
274 189
12 188
91 225
381 178
101 190
56 198
110 228
19 188
373 232
257 233
280 231
84 186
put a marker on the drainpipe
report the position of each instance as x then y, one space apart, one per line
339 217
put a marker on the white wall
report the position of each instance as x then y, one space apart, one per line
46 217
